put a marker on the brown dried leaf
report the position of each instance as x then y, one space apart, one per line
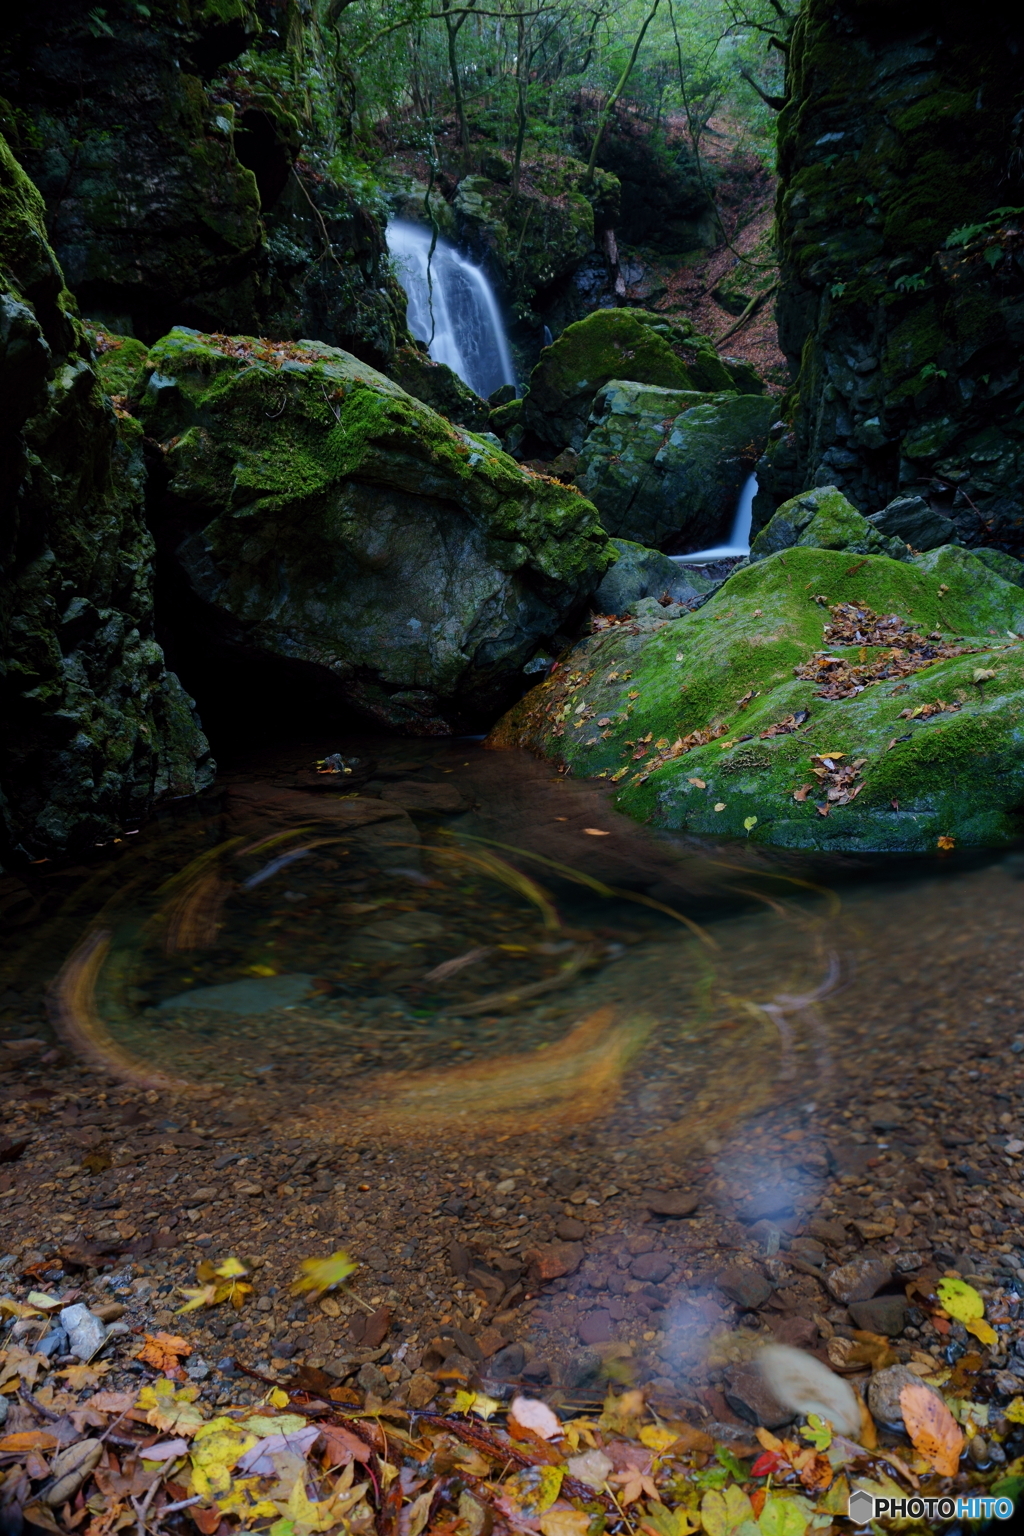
932 1428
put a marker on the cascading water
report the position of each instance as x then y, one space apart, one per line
451 307
739 538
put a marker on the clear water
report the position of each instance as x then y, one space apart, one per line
451 307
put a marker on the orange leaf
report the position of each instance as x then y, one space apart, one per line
163 1351
932 1428
28 1440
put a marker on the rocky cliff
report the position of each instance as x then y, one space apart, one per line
95 730
901 241
180 191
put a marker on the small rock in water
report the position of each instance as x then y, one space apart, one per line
882 1314
651 1266
570 1230
805 1385
859 1280
750 1395
747 1287
85 1332
596 1327
257 994
884 1391
671 1202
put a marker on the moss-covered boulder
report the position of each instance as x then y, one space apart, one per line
824 519
96 730
664 467
530 238
323 520
612 344
440 387
641 573
811 703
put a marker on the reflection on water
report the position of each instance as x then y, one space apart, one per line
453 941
465 974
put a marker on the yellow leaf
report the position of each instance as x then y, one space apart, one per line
167 1409
564 1522
198 1296
750 822
231 1269
982 1331
1015 1411
721 1513
277 1398
242 1499
960 1300
657 1438
261 970
323 1274
463 1402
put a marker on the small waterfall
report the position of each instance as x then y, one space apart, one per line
451 307
739 538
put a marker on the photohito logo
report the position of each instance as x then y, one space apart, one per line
864 1507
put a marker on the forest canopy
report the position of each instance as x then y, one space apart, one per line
525 75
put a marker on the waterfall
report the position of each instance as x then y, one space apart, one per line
739 537
451 307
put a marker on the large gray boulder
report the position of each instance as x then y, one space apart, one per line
665 467
640 572
330 530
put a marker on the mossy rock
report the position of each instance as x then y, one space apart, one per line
96 729
440 387
341 525
537 236
823 519
616 705
640 572
119 359
613 344
664 467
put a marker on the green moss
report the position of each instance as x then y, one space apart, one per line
729 667
613 344
823 519
119 359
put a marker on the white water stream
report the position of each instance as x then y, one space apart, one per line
451 307
739 538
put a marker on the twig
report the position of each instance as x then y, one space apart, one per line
43 1412
142 1510
171 1509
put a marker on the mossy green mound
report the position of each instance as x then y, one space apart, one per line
613 344
664 467
939 753
338 523
823 519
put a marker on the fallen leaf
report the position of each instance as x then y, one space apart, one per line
723 1513
750 822
931 1427
323 1274
595 832
657 1438
79 1376
945 843
720 806
591 1467
698 783
534 1415
28 1440
564 1522
169 1410
1015 1411
960 1300
164 1351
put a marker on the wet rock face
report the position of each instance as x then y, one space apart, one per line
901 286
664 467
96 730
170 198
325 525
